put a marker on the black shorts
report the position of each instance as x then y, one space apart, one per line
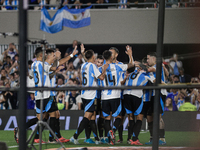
88 105
98 108
123 112
146 108
49 105
133 104
161 104
111 105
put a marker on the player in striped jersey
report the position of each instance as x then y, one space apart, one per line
52 76
115 53
89 73
37 70
111 98
151 59
133 101
98 110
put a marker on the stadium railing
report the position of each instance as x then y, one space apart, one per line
117 5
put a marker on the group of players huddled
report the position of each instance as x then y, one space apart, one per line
105 71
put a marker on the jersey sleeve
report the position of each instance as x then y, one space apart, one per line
96 71
66 99
151 78
47 67
124 67
78 99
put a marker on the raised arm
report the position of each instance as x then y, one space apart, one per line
102 75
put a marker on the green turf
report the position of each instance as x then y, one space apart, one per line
186 139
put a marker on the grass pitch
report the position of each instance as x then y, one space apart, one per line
174 139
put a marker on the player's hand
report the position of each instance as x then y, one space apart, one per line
128 50
82 48
105 66
75 51
57 54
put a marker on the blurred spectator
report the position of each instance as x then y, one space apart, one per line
172 95
197 102
72 2
8 4
69 72
17 79
73 101
3 73
9 96
60 99
8 62
78 61
31 100
184 78
187 106
3 102
168 105
29 66
32 2
12 50
174 64
71 48
16 58
180 98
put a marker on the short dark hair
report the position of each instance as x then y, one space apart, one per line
89 54
16 55
131 69
152 54
99 57
107 54
116 50
17 72
144 60
176 76
30 62
187 99
8 57
38 50
49 51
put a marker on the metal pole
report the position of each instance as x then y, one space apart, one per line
22 92
159 50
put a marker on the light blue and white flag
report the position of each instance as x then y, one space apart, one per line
51 25
76 18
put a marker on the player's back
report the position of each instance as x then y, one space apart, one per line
38 70
137 78
89 73
112 78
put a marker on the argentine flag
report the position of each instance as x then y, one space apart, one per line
51 25
76 18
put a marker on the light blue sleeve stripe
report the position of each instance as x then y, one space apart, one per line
91 74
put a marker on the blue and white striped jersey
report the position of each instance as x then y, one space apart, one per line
113 78
89 73
147 93
180 103
163 91
137 79
53 84
37 69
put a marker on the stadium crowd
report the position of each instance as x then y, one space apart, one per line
12 4
70 75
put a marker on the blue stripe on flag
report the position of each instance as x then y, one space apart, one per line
47 27
76 24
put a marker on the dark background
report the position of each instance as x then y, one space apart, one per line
189 53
